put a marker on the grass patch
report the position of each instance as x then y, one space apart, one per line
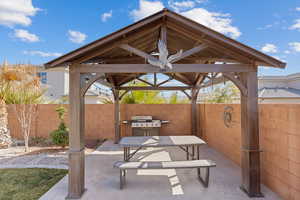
29 184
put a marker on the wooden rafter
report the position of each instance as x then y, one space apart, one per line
199 80
154 88
217 36
190 52
163 33
128 78
137 52
165 81
211 44
177 68
183 78
123 94
188 96
144 81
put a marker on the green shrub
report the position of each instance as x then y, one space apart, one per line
60 136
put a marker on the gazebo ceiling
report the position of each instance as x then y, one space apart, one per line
181 33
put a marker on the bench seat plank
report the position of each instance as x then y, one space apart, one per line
165 164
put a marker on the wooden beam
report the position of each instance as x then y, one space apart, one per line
214 82
128 78
137 51
188 96
199 80
191 52
182 78
96 78
250 155
165 81
148 83
177 68
155 79
163 34
76 139
153 88
111 80
237 82
123 94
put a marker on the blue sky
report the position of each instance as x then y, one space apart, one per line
37 31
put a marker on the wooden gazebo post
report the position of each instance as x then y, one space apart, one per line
194 111
76 139
250 155
117 115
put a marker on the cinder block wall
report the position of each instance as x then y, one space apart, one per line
99 119
279 130
279 138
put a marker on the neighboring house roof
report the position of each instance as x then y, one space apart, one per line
280 78
279 93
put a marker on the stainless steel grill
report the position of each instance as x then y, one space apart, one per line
145 125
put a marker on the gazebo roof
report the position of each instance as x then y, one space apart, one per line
180 32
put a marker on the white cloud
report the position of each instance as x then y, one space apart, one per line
42 54
287 52
295 26
145 9
298 9
13 12
269 48
295 46
76 36
25 36
106 16
218 21
181 5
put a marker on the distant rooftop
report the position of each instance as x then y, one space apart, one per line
285 77
279 93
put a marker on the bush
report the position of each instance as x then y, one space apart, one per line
60 136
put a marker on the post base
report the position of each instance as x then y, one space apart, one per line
76 197
256 195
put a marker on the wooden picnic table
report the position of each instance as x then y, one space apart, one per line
183 142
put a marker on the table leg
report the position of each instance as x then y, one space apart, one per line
124 153
198 158
187 153
128 153
193 152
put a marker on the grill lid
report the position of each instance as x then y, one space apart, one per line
141 118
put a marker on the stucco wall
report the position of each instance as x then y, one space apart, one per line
279 138
99 119
279 133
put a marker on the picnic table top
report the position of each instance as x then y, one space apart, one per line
160 141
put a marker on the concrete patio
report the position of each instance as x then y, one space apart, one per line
102 180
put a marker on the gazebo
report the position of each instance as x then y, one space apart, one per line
124 55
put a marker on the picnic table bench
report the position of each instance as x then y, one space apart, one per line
207 164
189 144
